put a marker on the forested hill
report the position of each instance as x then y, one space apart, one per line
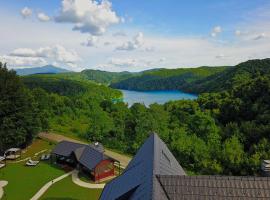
70 87
167 79
105 77
197 80
240 74
218 133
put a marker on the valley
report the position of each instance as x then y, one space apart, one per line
223 131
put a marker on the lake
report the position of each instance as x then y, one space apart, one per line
150 97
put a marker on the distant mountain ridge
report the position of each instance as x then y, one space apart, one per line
167 79
48 69
195 80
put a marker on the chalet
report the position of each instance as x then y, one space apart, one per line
87 158
155 174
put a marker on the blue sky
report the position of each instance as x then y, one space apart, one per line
133 35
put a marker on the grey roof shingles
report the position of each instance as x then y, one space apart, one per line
151 159
215 187
154 174
87 155
90 157
65 148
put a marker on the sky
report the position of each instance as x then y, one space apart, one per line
128 35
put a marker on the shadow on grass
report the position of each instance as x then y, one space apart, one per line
57 166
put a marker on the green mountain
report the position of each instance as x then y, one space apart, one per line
106 77
234 76
167 79
196 80
48 69
69 87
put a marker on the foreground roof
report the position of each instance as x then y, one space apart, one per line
139 180
155 174
215 187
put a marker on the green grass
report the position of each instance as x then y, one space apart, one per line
67 190
24 182
37 146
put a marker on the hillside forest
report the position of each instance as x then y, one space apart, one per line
224 131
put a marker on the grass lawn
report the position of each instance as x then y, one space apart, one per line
67 190
24 182
37 146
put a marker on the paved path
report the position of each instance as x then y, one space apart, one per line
47 185
81 183
2 185
124 160
23 160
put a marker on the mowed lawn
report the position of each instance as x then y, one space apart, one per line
23 181
67 190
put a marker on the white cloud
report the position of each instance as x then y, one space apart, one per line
41 56
150 49
91 41
131 64
15 61
26 12
43 17
251 35
237 32
220 56
136 43
88 16
59 53
23 52
119 33
215 31
162 59
127 62
259 36
107 43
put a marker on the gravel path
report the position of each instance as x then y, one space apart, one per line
47 185
124 160
2 185
81 183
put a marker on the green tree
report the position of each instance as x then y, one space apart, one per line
19 117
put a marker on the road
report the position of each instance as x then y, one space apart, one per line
124 160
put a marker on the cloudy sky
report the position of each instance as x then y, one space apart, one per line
128 35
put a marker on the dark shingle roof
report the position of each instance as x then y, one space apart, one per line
65 148
154 174
87 155
215 187
98 146
139 180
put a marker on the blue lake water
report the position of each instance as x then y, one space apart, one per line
150 97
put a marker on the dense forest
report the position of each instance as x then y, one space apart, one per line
195 80
167 79
153 79
222 132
